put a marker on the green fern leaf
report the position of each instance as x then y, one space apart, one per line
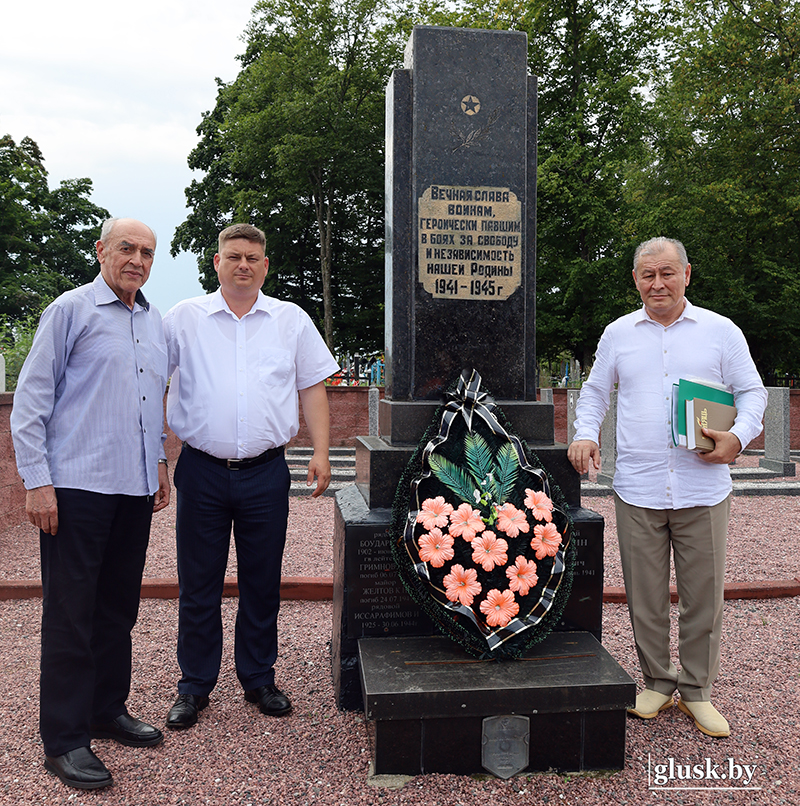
506 471
453 477
480 460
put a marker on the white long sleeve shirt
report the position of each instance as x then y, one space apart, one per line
233 392
645 359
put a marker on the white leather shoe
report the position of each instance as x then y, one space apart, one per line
707 719
650 703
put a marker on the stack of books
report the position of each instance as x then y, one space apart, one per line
697 405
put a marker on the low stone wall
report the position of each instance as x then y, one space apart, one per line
349 407
349 418
12 493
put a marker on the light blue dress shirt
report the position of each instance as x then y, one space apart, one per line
88 410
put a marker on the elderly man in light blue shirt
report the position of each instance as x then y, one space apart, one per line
667 497
87 426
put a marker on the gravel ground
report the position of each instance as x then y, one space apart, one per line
309 550
320 755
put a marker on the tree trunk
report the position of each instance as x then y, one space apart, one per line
324 211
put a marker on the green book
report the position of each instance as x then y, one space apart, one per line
688 390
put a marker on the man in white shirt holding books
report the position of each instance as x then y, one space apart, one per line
665 495
238 360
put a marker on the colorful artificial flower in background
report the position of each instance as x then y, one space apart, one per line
466 522
522 576
546 540
499 607
434 512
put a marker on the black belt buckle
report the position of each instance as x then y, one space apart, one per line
234 464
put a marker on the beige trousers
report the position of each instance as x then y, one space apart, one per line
697 537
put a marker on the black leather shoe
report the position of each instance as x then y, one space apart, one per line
271 700
79 768
128 730
183 713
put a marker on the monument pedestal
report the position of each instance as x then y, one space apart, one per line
369 599
426 700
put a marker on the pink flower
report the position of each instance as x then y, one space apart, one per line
539 504
489 550
522 576
434 512
462 585
511 520
435 548
499 607
545 540
466 522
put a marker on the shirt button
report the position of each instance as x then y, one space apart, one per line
140 369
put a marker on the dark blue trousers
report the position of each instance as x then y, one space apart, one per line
91 582
255 501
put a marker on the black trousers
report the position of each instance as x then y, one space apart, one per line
91 582
255 501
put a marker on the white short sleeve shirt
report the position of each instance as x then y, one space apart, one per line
235 382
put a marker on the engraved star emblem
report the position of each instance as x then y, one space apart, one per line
470 105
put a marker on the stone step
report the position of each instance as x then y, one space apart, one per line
590 489
298 459
750 473
299 487
343 469
337 474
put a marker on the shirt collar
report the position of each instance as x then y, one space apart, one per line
217 303
104 295
689 312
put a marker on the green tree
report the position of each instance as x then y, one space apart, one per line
295 146
47 236
724 171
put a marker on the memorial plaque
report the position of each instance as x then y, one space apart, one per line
378 602
470 242
505 744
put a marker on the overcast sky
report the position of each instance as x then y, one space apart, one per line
115 93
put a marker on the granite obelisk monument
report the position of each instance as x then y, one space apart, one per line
461 120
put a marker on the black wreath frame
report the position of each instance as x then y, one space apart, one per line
448 621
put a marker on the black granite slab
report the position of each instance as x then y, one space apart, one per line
368 597
462 114
421 692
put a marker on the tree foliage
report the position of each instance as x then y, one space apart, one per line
47 236
656 117
724 171
295 146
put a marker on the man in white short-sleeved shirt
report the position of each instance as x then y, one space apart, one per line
238 361
666 496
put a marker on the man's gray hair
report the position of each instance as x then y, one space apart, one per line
657 245
108 225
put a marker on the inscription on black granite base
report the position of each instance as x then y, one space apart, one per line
420 693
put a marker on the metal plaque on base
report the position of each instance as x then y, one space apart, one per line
505 744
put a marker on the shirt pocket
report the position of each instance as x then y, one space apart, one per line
275 366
